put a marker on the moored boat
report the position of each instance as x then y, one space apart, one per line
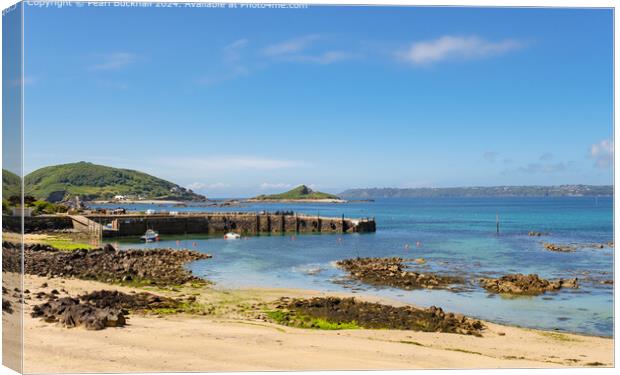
232 236
150 236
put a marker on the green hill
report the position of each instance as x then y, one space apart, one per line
301 192
10 184
92 181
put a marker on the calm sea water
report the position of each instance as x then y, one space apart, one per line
457 236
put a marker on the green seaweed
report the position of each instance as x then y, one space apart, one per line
301 321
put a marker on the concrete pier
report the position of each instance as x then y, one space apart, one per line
100 225
220 223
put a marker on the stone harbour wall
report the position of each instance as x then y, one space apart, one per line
243 223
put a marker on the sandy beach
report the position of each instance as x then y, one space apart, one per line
228 339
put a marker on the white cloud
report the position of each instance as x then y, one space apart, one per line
239 43
233 163
203 186
115 61
232 52
290 46
446 47
297 50
325 58
603 153
267 186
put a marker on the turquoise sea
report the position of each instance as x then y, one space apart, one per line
456 236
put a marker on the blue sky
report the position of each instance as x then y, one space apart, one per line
236 102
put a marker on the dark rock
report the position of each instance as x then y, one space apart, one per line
380 316
137 302
525 284
6 306
100 309
393 272
70 313
559 248
573 247
160 266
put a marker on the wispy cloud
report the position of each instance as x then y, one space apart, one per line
456 47
231 73
290 46
490 156
324 58
115 61
298 50
232 64
205 186
232 51
233 163
542 168
546 157
602 153
269 186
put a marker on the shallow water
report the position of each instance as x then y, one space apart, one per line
456 236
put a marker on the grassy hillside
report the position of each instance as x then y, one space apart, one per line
92 181
10 184
300 192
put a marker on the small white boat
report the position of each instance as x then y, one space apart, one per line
150 236
232 236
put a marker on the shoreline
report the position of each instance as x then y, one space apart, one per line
143 201
188 342
252 200
364 296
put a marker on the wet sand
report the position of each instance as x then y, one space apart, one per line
230 340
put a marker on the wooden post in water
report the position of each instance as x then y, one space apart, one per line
497 223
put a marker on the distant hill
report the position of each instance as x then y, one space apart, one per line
92 181
482 191
10 184
301 192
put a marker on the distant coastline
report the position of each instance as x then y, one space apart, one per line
255 200
482 192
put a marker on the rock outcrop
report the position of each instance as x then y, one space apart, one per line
520 284
379 316
393 272
156 266
138 302
7 306
559 248
69 312
100 309
567 248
